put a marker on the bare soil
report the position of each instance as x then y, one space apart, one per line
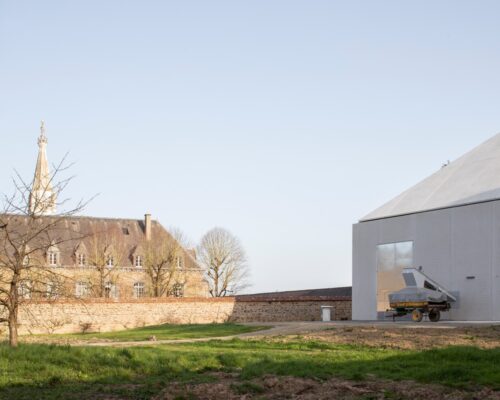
410 338
229 387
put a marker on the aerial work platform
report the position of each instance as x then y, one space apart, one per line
421 296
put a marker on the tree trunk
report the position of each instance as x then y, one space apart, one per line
216 282
156 288
102 290
13 308
13 328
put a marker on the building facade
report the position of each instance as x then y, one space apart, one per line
98 257
448 224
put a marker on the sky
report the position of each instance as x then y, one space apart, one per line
283 121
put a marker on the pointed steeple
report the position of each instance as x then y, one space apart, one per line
42 197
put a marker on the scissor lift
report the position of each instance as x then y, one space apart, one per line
421 296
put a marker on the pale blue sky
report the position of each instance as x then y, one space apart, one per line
282 121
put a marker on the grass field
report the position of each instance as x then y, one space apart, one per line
160 332
63 372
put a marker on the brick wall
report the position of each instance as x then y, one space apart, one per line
107 315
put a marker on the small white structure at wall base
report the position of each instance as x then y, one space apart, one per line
326 313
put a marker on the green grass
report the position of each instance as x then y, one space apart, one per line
162 332
63 372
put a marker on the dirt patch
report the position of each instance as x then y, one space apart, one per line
62 341
229 387
410 338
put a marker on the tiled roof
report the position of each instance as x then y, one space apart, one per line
77 231
339 292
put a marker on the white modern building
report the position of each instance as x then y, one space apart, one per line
449 224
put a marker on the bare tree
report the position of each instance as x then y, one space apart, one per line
162 262
222 256
106 254
180 237
28 238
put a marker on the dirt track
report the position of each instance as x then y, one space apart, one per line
411 338
385 335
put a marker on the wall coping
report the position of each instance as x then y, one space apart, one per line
167 300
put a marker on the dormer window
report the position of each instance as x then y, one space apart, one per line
110 261
82 260
138 261
80 255
52 258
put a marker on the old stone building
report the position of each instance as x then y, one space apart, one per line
103 257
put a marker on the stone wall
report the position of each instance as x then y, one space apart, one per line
67 316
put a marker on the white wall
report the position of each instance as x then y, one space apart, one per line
450 244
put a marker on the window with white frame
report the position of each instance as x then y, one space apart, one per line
139 290
24 290
82 289
179 262
82 259
110 290
138 261
53 257
52 290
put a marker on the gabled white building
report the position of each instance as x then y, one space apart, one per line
450 225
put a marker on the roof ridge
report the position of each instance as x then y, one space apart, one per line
473 177
82 217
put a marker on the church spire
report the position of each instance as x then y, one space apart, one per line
42 139
42 197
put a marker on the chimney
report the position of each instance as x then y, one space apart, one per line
147 226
